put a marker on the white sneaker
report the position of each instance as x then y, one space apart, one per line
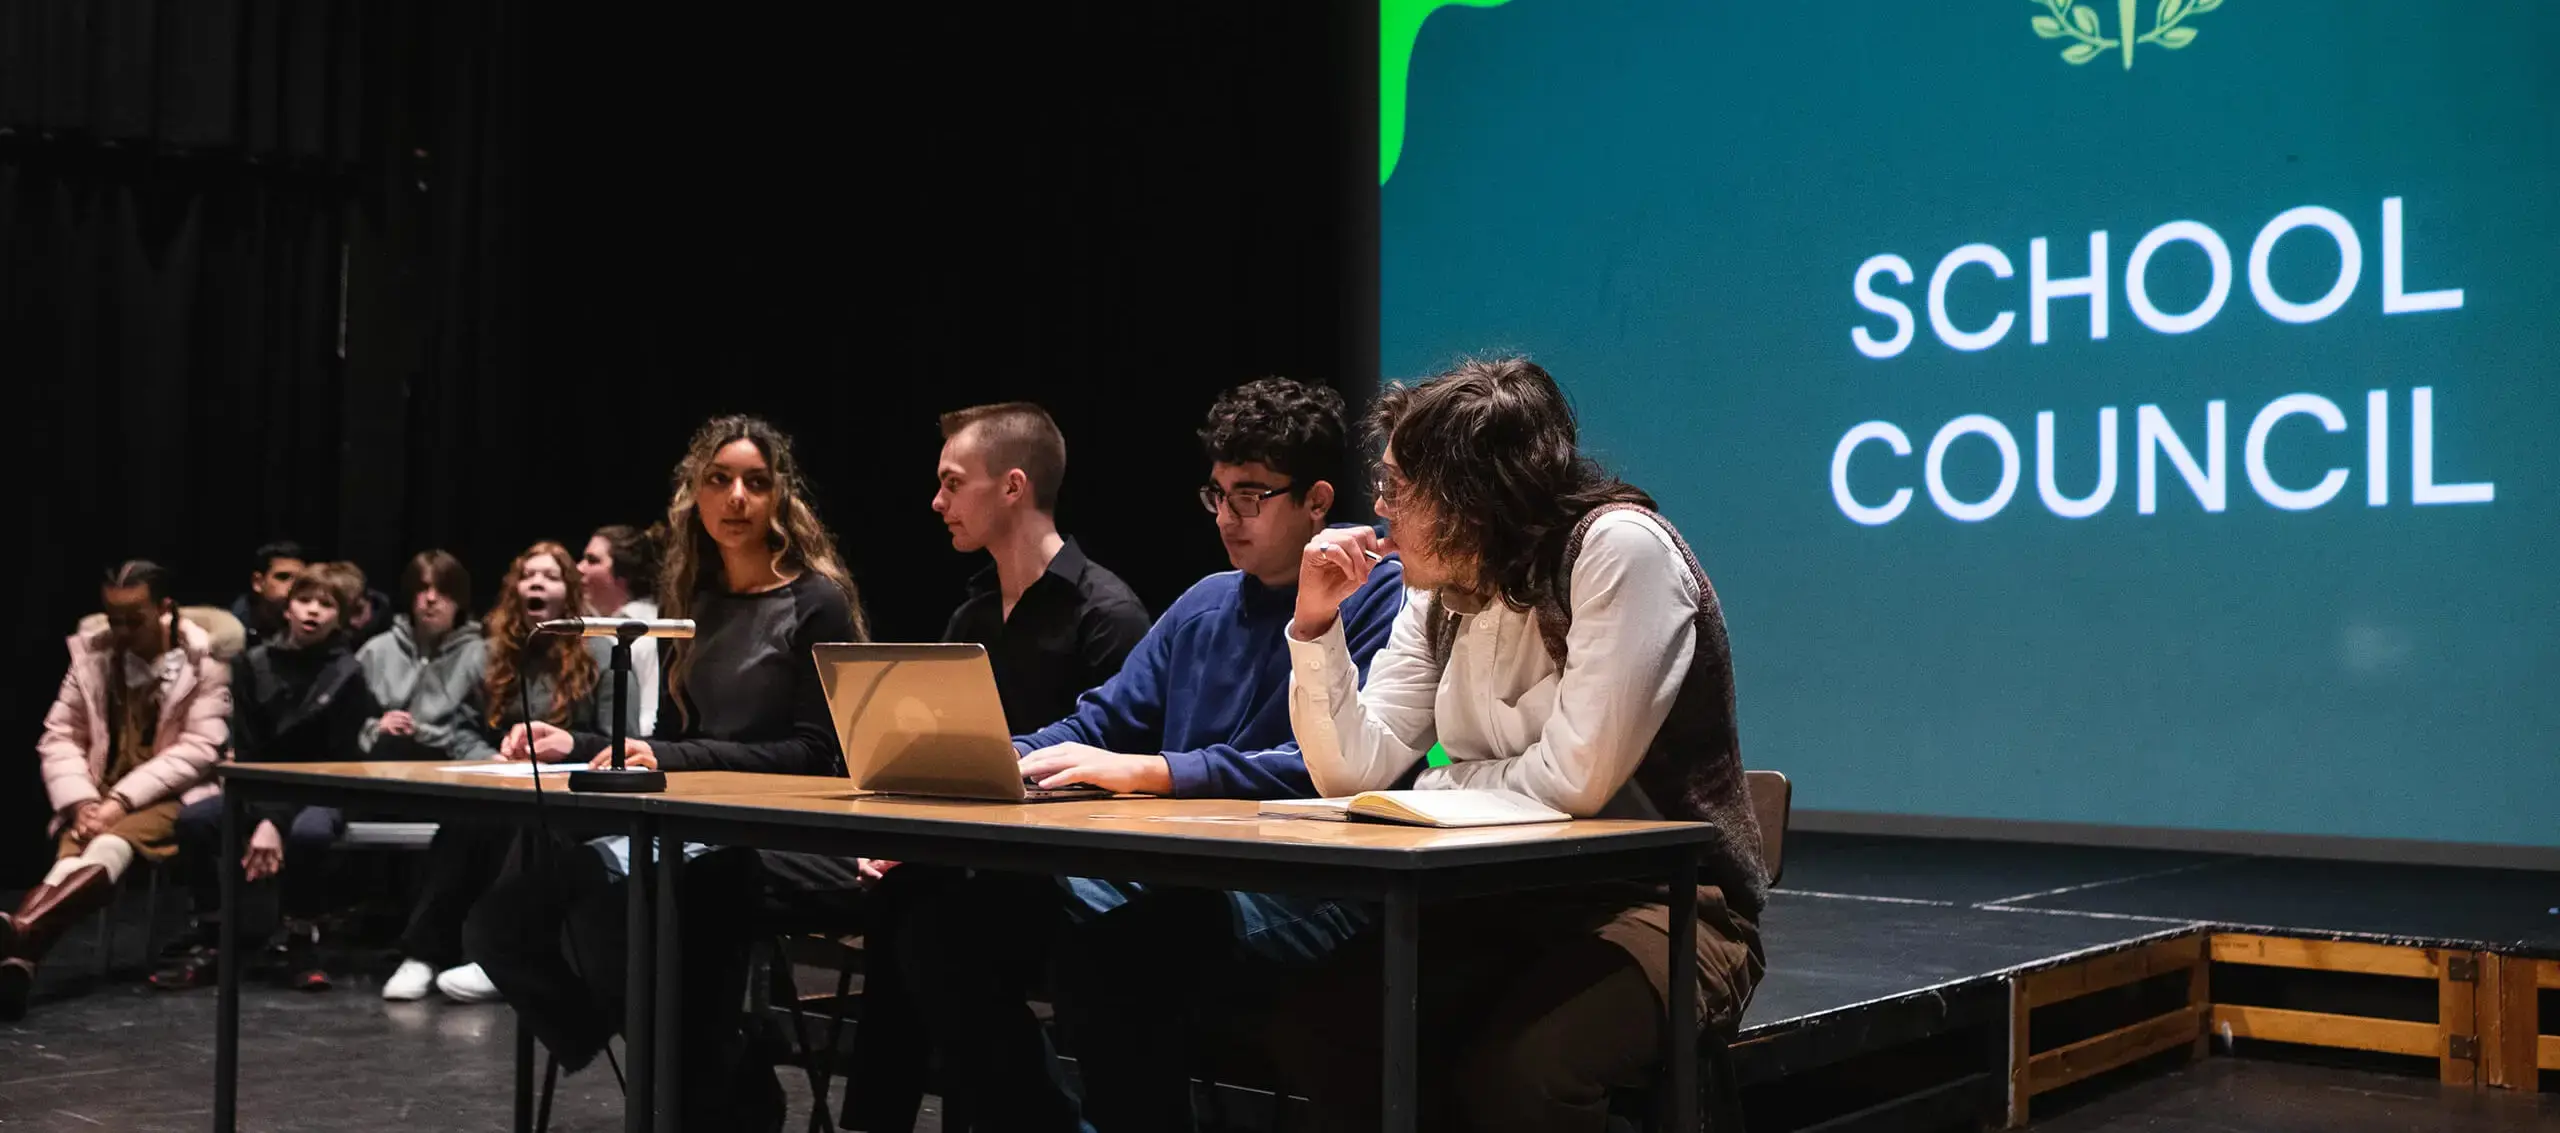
410 982
467 984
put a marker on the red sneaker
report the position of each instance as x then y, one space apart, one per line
196 967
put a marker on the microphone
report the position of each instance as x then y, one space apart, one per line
626 629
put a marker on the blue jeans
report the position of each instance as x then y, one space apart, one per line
1281 928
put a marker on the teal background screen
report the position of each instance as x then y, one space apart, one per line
1667 204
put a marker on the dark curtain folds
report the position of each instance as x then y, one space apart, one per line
466 273
276 81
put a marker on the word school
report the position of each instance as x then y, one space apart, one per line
2155 437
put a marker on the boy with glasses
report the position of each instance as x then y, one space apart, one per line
1200 710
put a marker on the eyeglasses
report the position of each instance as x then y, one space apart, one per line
1386 486
1247 502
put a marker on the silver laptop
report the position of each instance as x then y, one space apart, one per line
925 720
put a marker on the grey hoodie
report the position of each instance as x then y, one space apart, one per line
442 691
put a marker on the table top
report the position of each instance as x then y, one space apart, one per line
1229 828
425 777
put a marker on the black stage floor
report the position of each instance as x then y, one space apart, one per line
2237 1095
2516 911
1871 940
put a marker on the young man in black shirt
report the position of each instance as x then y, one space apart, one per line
1054 622
261 608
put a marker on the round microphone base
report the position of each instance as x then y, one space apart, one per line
627 781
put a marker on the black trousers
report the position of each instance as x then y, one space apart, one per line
552 934
309 833
463 861
1152 993
954 958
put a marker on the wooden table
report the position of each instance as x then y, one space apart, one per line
1209 843
426 791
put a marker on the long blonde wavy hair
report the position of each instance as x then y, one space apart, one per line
799 542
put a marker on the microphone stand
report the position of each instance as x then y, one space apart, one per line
618 779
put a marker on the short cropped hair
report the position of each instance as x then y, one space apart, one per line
1017 434
439 569
342 583
280 549
1295 428
154 579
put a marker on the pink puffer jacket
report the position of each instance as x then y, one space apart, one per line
195 720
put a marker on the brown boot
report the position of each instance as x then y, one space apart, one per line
39 921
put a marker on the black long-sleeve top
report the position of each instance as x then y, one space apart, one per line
300 705
751 700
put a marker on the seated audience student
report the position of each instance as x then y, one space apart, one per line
301 698
1054 622
261 608
426 672
756 571
620 572
568 676
1198 711
565 680
134 733
1572 650
373 616
427 675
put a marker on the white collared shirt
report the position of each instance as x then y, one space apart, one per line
644 665
1509 718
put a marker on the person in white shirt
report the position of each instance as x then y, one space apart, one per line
620 570
1561 642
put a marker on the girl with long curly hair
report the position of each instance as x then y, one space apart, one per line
541 584
748 561
563 676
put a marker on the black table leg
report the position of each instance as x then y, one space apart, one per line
670 976
1681 1010
524 1077
226 1012
640 983
1398 1089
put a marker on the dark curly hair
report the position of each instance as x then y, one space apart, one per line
1489 450
1299 430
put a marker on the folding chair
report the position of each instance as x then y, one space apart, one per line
1719 1087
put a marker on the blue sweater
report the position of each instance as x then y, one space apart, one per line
1209 686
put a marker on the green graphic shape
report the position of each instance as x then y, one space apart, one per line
1399 24
2068 19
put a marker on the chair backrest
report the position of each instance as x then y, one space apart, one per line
1771 799
230 638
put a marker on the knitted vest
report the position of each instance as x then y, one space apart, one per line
1692 771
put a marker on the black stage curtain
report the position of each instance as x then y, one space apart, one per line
467 273
173 182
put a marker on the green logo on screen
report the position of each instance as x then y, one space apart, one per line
2080 23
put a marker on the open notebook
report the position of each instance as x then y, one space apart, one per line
1423 808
